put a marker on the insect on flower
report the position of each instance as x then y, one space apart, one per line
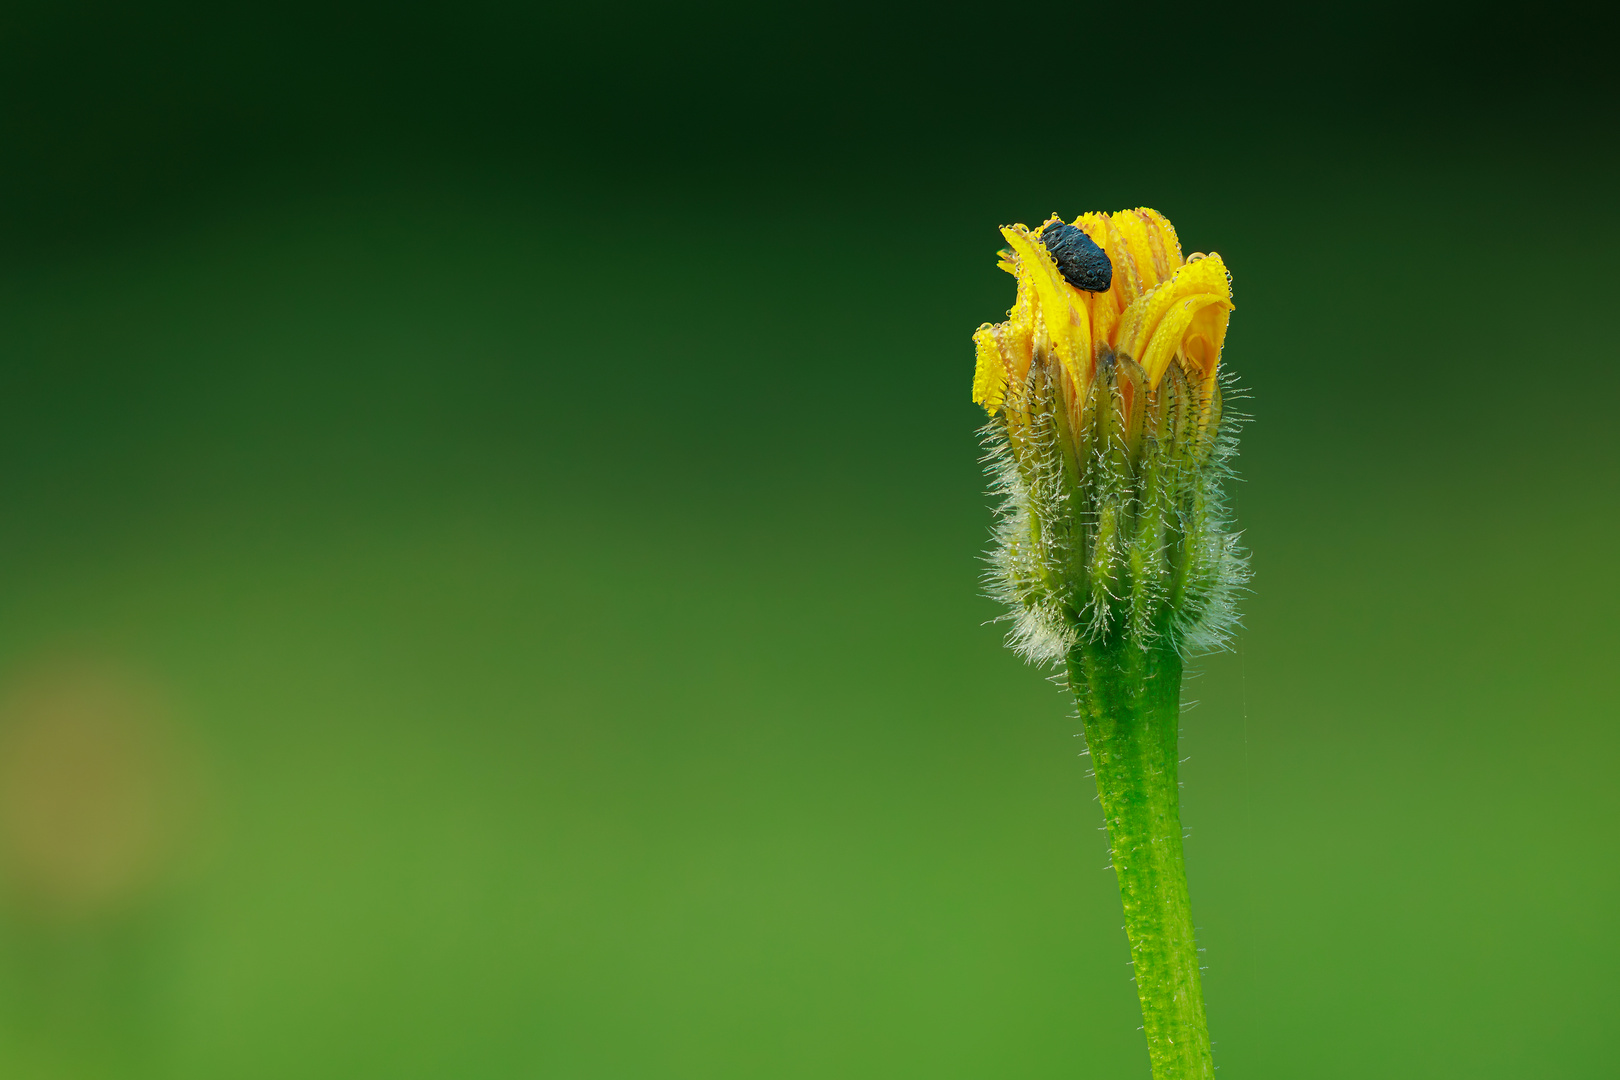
1081 262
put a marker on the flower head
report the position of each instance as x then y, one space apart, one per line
1107 436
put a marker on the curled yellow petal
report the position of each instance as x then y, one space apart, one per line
1140 323
1168 335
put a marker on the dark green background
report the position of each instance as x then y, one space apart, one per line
533 451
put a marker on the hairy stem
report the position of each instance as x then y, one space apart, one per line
1130 698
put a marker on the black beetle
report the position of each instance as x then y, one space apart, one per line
1082 263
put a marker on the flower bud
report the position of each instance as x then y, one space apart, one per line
1107 441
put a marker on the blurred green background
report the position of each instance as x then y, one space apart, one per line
489 519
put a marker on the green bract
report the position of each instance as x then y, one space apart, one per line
1113 523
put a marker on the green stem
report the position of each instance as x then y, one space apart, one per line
1130 700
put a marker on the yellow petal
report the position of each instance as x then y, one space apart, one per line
990 374
1094 225
1104 307
1139 323
1136 245
1016 336
1162 240
1172 329
1127 286
1201 344
1104 311
1067 324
